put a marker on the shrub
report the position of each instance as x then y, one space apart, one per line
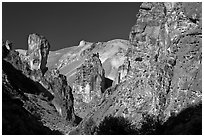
115 126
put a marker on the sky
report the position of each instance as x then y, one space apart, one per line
65 24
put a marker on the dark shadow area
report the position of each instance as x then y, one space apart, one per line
115 126
20 81
77 120
108 83
44 70
187 122
18 121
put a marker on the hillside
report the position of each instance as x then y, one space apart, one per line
149 84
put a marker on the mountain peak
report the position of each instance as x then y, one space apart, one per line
149 84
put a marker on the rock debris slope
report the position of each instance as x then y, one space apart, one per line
151 84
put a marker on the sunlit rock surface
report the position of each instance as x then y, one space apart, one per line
111 54
156 74
89 85
161 73
38 50
45 98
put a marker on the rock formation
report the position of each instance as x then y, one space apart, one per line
161 75
172 62
15 118
89 83
111 54
63 98
122 72
157 77
47 97
38 50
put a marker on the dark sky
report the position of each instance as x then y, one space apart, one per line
66 24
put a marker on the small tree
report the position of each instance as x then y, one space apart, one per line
115 126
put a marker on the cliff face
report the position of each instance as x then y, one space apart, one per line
153 80
47 97
111 55
164 60
171 38
161 74
63 97
67 60
16 119
88 85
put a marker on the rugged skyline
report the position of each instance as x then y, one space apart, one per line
150 84
66 24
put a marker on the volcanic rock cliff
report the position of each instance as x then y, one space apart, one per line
161 74
89 84
47 99
111 55
151 84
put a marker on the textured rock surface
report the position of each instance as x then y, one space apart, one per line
47 98
16 120
111 54
161 75
122 72
157 77
88 85
62 92
38 50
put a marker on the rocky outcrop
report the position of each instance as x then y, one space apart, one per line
89 83
162 39
6 47
63 98
67 60
122 72
47 97
38 50
157 79
164 73
16 119
160 60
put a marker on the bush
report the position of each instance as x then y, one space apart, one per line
150 125
187 122
115 126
